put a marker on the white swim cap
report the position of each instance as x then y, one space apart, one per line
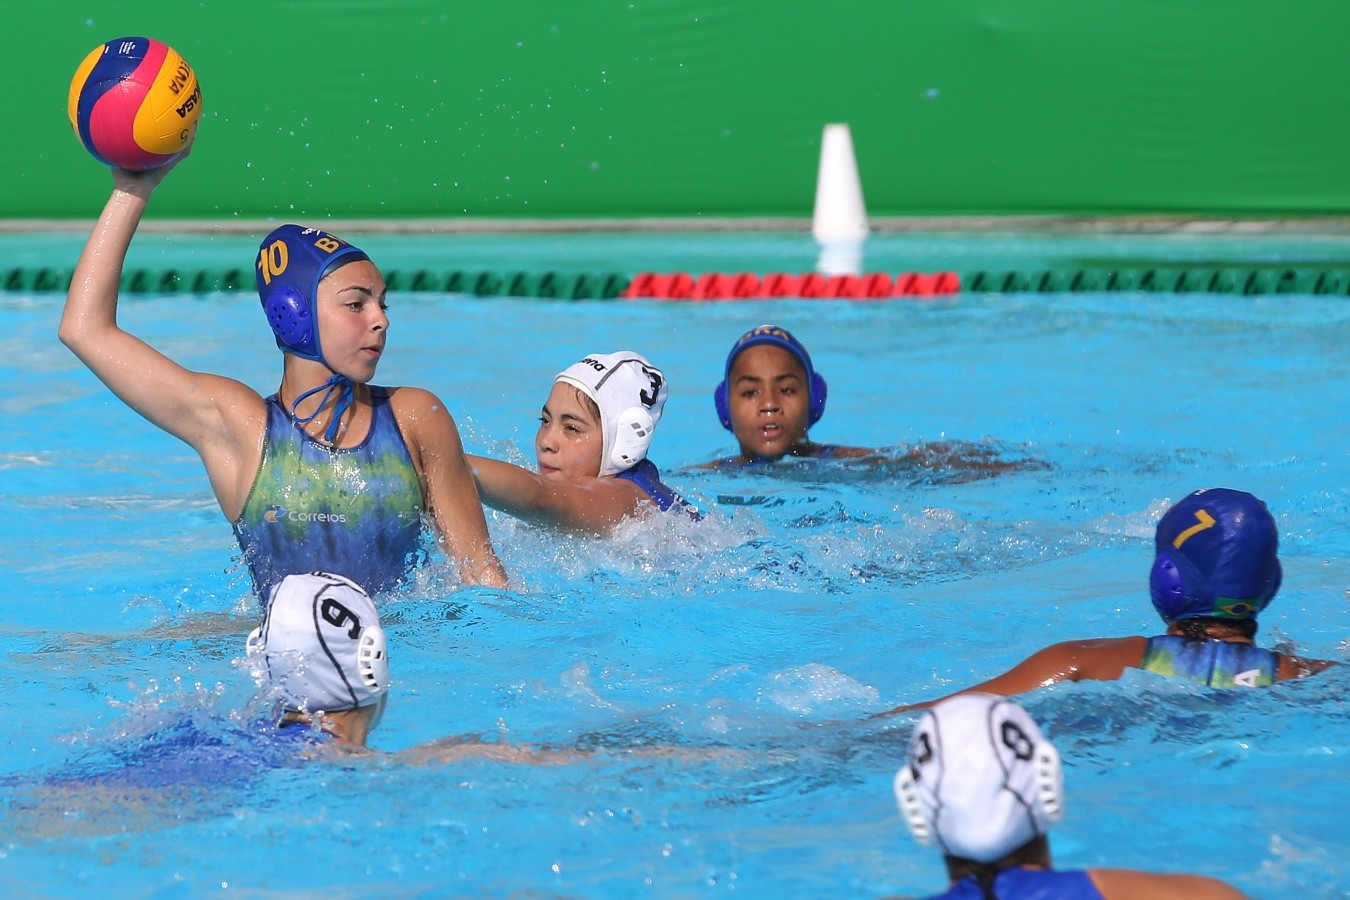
981 779
631 393
321 644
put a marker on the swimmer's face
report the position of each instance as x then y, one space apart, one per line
352 319
768 401
569 442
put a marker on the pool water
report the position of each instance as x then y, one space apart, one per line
702 689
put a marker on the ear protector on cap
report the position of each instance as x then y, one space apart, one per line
372 658
292 260
1168 588
288 314
633 431
778 337
1049 794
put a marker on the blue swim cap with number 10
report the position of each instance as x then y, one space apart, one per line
292 261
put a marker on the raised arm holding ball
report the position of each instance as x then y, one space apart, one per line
330 472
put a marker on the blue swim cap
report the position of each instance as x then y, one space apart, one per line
777 337
1217 557
291 262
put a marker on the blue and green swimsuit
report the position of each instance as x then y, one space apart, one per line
355 511
1215 663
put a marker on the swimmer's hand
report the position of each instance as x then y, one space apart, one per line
142 184
910 707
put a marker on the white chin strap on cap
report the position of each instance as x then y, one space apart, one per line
981 780
631 393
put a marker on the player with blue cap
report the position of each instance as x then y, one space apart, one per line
1216 567
770 396
1217 557
291 262
330 473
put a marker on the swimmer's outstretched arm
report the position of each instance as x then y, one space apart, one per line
1300 667
1126 884
473 747
1103 659
463 747
222 419
452 497
585 504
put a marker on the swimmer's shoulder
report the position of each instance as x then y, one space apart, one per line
406 397
1093 659
730 463
591 505
802 451
417 410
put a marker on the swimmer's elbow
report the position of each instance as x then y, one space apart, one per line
1291 667
82 334
70 334
78 341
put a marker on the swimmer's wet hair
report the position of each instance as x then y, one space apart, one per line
1198 629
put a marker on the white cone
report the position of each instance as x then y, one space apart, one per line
840 212
840 220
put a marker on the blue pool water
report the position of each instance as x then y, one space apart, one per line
708 684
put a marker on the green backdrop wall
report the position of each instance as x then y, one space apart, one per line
637 108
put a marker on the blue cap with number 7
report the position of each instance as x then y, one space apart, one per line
1217 557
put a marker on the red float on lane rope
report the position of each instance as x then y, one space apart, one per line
811 286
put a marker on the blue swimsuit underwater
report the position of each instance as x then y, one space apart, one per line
1017 883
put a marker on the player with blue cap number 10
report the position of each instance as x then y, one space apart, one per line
330 473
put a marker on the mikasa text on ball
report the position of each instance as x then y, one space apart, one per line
135 103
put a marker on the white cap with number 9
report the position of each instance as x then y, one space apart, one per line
321 645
